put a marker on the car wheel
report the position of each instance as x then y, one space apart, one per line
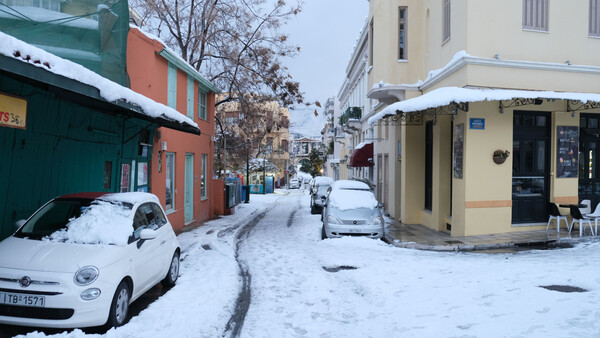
119 308
313 210
323 234
173 272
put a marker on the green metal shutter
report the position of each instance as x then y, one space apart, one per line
190 97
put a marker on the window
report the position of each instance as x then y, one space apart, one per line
172 87
284 145
202 105
446 23
269 143
190 97
304 148
371 37
170 183
203 177
594 18
402 34
147 216
535 15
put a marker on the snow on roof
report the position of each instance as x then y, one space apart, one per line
361 145
334 160
355 199
446 95
110 91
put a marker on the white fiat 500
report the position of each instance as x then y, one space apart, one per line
81 259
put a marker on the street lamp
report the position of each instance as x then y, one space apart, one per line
247 171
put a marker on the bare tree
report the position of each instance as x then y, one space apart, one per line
236 44
246 119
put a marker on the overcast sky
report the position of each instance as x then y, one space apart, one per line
326 31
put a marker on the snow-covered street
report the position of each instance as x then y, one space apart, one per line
302 286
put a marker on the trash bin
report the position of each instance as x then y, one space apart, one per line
244 192
229 196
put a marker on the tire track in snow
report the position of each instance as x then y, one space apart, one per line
234 325
236 321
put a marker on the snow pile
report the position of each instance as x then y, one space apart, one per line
352 199
110 91
100 223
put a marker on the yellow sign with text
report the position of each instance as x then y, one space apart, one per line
13 111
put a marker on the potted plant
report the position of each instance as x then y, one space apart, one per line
500 156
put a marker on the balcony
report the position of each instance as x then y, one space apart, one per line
350 119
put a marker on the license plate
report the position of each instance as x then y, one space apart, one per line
22 299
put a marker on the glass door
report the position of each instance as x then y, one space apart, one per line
531 166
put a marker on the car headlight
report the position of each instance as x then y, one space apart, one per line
377 221
90 294
333 220
86 275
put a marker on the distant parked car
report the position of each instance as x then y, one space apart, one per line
352 212
81 259
318 195
294 183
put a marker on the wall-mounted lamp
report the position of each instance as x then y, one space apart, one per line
568 62
572 114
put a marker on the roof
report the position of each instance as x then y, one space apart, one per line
447 95
20 59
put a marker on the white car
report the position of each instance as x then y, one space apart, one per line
352 212
294 183
81 259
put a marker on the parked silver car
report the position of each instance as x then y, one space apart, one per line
294 183
351 212
318 196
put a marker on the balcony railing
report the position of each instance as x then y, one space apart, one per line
351 113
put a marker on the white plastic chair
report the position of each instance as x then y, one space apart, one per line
582 221
556 216
595 216
588 207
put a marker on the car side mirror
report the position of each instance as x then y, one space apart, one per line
19 223
146 234
380 205
323 198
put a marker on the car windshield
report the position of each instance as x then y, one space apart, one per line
55 216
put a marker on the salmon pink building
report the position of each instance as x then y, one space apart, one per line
180 172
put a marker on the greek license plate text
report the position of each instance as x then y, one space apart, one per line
21 299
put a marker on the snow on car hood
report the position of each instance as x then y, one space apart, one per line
352 199
36 255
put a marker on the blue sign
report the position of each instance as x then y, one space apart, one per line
477 123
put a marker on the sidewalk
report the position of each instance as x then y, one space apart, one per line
416 236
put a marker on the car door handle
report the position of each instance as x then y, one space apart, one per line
163 242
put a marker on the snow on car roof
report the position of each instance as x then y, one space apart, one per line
352 199
130 197
350 184
323 179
